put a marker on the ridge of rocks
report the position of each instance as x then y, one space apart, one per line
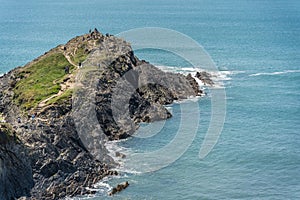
47 157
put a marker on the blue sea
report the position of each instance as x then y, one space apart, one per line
256 46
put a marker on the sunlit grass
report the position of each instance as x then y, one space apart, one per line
40 80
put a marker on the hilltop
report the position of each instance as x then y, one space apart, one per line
43 153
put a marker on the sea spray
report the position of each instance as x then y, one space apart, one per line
275 73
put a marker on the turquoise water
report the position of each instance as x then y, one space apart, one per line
258 153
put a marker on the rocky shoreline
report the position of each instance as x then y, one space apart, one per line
43 154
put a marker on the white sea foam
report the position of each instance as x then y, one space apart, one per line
169 108
103 186
190 99
217 76
182 70
200 83
275 73
113 147
128 171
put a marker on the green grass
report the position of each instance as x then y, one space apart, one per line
62 99
40 80
80 54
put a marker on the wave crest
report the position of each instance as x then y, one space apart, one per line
275 73
217 76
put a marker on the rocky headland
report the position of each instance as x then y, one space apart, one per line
45 110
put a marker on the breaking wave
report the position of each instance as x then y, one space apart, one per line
217 76
275 73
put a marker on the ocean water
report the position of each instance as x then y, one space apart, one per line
255 43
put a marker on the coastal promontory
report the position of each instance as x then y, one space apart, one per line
42 152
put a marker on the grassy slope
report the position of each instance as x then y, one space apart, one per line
62 98
40 80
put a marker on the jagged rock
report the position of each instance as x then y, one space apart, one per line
51 160
49 169
15 171
118 188
121 155
194 84
205 77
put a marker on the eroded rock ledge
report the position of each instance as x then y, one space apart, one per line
46 158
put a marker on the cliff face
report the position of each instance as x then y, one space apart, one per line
47 104
15 170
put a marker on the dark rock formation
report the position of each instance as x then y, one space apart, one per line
121 155
15 170
194 84
50 159
205 77
118 188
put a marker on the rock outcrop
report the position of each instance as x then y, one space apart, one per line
205 77
119 188
15 170
50 159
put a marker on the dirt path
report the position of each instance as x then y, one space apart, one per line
63 86
70 61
